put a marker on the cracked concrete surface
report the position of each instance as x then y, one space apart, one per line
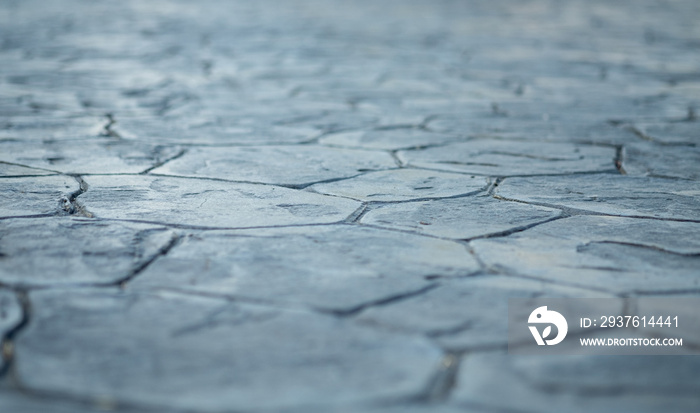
323 206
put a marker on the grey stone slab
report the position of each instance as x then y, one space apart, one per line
10 170
670 132
486 123
503 158
288 165
10 317
390 139
403 185
609 194
608 253
646 159
458 218
13 400
204 203
466 314
166 350
34 128
329 267
207 131
579 383
83 157
35 195
64 250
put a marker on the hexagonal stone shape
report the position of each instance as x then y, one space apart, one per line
459 218
403 185
88 156
184 352
609 194
27 196
469 313
339 268
646 159
59 251
389 139
507 158
205 203
10 318
284 165
621 255
647 384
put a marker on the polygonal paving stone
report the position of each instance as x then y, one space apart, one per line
330 267
671 132
609 253
10 317
390 139
10 170
55 251
210 355
48 128
534 129
579 383
507 158
35 195
13 400
82 157
205 132
469 313
646 159
459 218
204 203
403 185
609 194
288 165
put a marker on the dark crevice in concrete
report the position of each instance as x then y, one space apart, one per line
516 229
619 160
69 204
442 381
163 162
162 251
576 211
651 247
108 129
7 342
379 302
357 215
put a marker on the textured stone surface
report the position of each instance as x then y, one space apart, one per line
504 158
212 355
403 185
35 195
85 157
608 253
10 318
231 205
609 194
459 218
274 265
322 206
287 165
646 159
466 314
41 252
8 169
579 383
390 139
